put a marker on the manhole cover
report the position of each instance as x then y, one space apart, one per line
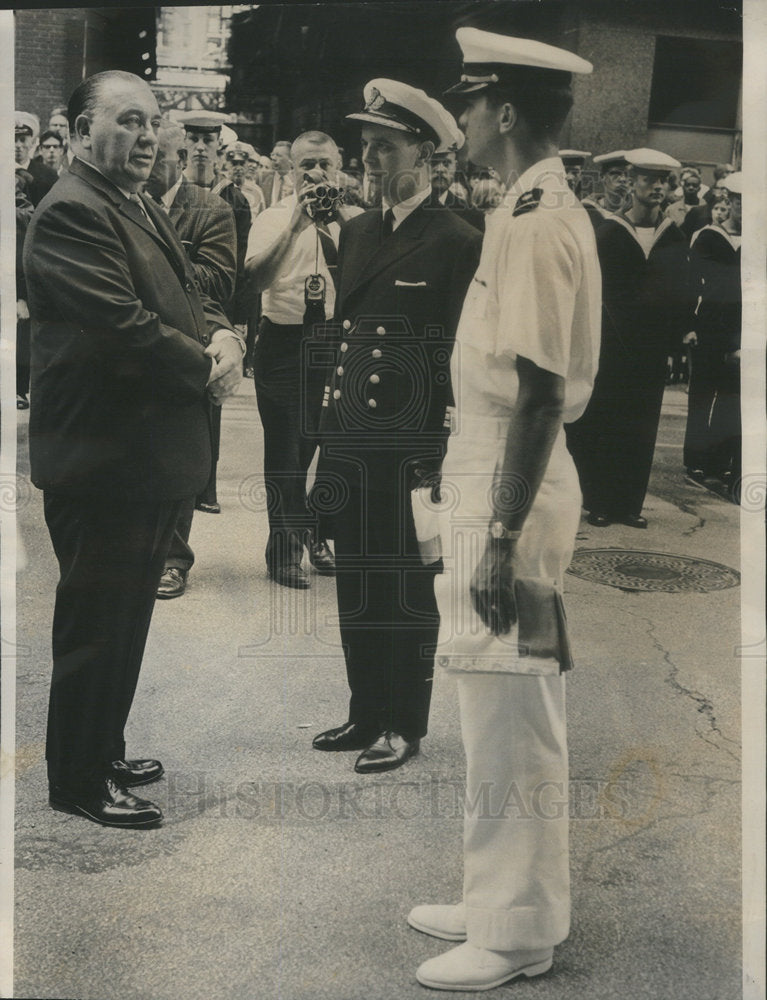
653 571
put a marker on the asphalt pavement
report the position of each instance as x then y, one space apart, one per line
280 873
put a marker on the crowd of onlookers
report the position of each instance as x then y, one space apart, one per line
704 356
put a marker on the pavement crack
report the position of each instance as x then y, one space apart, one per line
704 706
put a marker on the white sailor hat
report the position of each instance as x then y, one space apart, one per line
407 109
26 123
203 121
651 160
616 157
733 183
490 58
574 157
228 137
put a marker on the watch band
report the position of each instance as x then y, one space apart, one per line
497 529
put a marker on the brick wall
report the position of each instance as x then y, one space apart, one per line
49 58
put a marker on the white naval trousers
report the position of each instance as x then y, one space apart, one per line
516 860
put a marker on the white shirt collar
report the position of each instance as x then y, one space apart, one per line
548 174
401 210
170 195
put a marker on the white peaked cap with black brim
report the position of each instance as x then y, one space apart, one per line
407 109
489 58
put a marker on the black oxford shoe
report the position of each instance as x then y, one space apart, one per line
130 773
321 557
390 750
208 508
290 576
634 522
599 520
348 737
172 583
109 804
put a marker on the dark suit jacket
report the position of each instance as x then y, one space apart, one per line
386 413
205 225
118 332
243 220
43 179
462 209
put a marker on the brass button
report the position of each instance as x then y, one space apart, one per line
336 394
377 353
344 347
375 379
339 370
380 331
347 324
372 403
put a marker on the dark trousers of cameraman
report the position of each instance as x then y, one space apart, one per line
289 403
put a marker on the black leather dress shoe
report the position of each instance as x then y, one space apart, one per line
634 522
390 750
321 557
348 737
599 520
109 804
130 773
208 508
290 576
172 583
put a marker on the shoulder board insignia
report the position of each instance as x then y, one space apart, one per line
527 202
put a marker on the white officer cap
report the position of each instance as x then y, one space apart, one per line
616 157
26 123
574 157
407 109
652 160
490 58
733 183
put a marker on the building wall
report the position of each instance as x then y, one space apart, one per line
612 104
49 58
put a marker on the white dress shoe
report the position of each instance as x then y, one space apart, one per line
472 969
440 920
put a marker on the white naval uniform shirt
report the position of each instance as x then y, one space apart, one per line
537 294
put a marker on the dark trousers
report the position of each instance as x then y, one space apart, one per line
289 403
111 553
208 494
180 554
712 434
387 613
22 356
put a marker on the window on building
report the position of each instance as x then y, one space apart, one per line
696 83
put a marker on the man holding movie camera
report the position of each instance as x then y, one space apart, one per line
291 261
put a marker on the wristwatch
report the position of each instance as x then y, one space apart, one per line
497 529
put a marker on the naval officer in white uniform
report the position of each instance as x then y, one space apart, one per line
527 346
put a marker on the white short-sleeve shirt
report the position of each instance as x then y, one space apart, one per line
283 301
537 292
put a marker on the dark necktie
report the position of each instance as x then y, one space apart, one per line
329 252
387 226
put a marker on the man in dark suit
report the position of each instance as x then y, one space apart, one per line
402 276
203 139
125 355
205 225
26 134
443 167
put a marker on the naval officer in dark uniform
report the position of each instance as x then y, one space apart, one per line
403 270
